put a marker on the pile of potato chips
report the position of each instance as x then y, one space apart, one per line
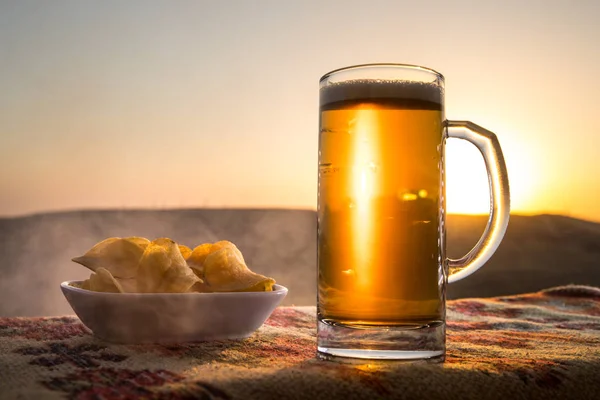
137 265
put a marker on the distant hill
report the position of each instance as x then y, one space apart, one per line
537 252
35 251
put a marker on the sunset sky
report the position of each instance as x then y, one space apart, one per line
127 104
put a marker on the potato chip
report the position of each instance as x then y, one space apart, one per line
224 243
226 271
140 241
186 252
81 285
129 285
178 279
265 285
162 269
196 259
103 281
85 284
200 287
136 265
198 256
119 256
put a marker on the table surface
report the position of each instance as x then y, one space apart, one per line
536 345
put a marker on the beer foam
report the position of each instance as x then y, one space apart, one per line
364 89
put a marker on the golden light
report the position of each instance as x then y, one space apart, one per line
467 188
364 150
409 197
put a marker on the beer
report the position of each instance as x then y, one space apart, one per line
380 248
381 238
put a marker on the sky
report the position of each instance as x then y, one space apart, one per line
161 104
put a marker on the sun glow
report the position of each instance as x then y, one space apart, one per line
363 187
467 187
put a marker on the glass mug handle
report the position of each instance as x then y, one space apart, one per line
488 145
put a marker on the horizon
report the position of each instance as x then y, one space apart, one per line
250 208
112 105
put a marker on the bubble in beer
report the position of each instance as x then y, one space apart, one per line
373 166
409 197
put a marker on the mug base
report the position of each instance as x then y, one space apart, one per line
381 355
424 341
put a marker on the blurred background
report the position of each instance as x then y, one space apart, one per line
171 107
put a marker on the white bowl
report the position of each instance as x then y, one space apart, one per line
172 317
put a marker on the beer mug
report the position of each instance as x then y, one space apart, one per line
382 266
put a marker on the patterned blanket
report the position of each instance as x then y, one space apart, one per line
538 345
